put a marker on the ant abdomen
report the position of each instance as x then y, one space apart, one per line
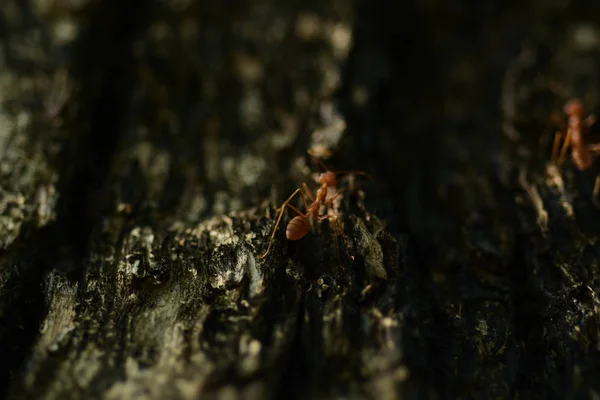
297 228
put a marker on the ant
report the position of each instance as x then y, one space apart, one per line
582 153
299 226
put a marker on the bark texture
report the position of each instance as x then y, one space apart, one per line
144 148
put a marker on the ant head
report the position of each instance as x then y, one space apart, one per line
328 178
574 107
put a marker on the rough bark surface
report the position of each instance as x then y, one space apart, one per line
144 148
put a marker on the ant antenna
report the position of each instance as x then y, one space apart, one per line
317 159
368 176
365 174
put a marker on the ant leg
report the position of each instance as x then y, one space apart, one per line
296 210
563 152
309 193
338 194
281 210
557 138
303 195
596 190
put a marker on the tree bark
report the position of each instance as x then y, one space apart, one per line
145 147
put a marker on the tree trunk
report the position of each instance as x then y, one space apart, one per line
145 147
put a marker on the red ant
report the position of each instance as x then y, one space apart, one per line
583 155
299 226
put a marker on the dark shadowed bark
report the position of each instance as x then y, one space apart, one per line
145 147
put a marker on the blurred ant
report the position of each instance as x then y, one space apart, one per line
582 153
299 226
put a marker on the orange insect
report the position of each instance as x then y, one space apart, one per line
299 226
581 153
